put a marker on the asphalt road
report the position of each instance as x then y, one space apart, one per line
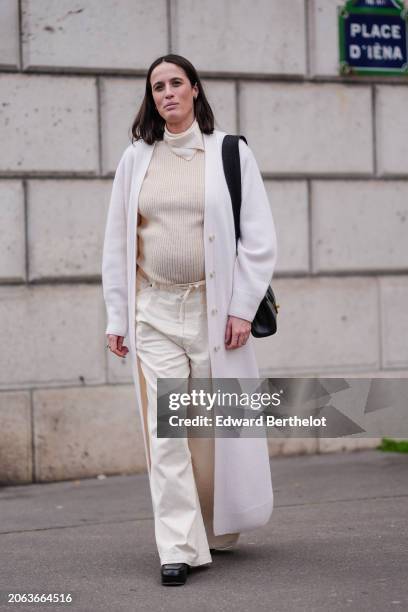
337 540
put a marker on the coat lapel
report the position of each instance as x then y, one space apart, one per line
142 156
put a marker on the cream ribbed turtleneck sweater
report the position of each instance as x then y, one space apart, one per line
171 209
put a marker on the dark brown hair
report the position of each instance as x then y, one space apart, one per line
149 125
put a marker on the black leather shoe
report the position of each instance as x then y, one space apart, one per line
173 574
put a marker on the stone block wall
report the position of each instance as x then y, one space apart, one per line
333 152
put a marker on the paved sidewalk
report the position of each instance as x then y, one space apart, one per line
337 540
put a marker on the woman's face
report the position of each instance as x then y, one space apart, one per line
170 85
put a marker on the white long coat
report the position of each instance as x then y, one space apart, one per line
236 284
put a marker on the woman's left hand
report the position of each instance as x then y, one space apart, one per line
237 332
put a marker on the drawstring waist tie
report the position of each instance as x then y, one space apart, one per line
188 287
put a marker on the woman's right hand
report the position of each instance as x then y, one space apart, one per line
116 345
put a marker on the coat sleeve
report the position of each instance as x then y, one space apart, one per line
257 246
114 264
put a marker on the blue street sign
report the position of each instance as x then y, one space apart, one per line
373 36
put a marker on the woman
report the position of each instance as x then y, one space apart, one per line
175 284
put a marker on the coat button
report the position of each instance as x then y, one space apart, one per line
216 348
211 237
212 274
214 311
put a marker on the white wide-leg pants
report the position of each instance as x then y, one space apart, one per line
172 342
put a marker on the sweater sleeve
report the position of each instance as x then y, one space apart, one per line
114 264
257 246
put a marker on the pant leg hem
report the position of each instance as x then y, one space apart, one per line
203 561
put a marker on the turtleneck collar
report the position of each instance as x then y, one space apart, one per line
185 143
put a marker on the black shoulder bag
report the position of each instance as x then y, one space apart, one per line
264 323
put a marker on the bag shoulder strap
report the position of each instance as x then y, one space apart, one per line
232 170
